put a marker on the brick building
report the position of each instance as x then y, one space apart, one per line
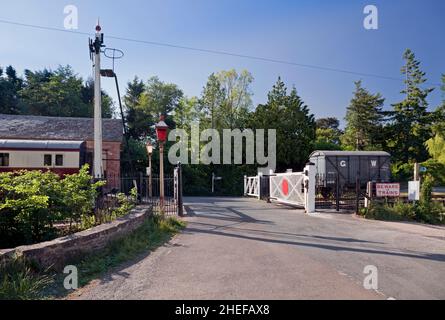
32 142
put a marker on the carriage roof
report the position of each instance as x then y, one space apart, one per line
41 145
321 153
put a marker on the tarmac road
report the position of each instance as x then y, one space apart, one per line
236 248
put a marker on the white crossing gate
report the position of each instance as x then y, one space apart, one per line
288 188
252 186
293 188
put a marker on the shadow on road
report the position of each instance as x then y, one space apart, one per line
433 257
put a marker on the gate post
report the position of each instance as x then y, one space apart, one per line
260 176
180 203
245 186
309 190
337 192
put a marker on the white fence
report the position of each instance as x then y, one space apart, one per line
252 186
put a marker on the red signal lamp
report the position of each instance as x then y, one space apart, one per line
161 130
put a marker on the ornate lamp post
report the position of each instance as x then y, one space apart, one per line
149 147
161 132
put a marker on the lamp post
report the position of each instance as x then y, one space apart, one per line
161 133
149 147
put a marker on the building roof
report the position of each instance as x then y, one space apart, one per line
322 153
19 127
40 145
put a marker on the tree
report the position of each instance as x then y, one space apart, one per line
295 126
145 108
134 91
328 134
212 99
363 120
9 87
186 112
60 93
411 122
87 96
436 145
227 99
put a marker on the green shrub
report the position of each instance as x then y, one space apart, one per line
31 202
381 211
126 204
425 210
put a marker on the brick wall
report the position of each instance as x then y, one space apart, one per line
112 151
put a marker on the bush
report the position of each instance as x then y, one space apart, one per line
381 211
31 202
425 211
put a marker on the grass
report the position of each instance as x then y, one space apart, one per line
431 213
19 280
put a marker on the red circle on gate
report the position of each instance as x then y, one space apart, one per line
285 187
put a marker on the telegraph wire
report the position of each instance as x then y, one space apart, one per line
214 52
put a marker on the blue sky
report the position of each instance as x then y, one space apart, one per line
324 33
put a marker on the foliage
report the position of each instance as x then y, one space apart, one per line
328 134
227 100
364 116
294 123
436 170
31 202
436 145
381 211
146 103
10 84
126 203
411 122
20 281
58 93
401 171
425 210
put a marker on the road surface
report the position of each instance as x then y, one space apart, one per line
236 248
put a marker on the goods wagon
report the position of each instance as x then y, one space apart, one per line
347 166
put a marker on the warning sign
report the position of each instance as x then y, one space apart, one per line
385 190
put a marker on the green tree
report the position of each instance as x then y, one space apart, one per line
87 96
227 100
60 93
186 112
144 109
134 91
363 120
436 145
328 134
295 126
411 122
10 85
212 99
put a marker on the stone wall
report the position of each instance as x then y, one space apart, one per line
60 252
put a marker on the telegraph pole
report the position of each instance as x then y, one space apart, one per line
95 48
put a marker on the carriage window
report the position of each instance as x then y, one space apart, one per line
4 159
59 160
48 160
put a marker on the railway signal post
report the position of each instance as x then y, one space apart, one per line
95 51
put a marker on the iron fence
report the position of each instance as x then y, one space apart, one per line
331 193
148 189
